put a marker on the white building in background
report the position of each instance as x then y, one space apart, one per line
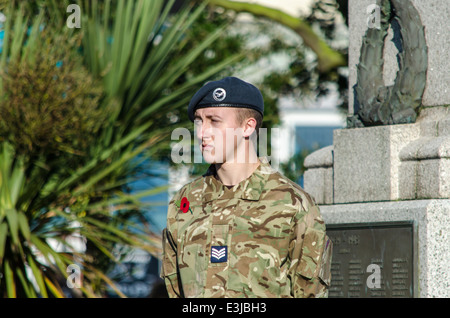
305 128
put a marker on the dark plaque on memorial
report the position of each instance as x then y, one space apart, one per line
372 260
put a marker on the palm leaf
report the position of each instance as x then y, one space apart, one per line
9 278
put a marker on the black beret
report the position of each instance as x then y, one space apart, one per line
227 92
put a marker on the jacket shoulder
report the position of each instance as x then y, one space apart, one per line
188 189
280 187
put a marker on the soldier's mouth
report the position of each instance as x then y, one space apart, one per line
206 147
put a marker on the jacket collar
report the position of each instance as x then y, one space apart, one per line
248 189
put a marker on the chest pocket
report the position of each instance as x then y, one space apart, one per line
261 247
220 244
264 230
193 257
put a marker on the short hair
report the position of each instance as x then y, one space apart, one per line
245 113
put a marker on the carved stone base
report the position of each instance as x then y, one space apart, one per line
431 221
384 163
425 162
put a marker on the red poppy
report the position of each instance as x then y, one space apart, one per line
184 206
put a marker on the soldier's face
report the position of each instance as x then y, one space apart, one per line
218 134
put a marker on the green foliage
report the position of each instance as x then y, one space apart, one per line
316 61
324 17
90 105
49 102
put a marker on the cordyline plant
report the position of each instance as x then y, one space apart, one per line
80 111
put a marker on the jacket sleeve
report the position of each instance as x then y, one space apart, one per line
310 252
169 268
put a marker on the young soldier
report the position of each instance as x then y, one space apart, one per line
242 229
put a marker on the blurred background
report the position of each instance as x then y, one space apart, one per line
89 96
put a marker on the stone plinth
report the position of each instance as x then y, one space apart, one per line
319 176
425 162
401 172
366 162
384 163
432 225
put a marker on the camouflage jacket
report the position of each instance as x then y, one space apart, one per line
264 237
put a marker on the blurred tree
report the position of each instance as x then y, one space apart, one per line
329 17
328 58
318 31
55 83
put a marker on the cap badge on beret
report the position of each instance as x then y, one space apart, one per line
219 94
227 92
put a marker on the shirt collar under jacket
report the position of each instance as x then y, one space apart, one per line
249 189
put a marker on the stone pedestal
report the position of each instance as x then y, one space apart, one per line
384 163
397 173
425 162
431 221
391 174
319 176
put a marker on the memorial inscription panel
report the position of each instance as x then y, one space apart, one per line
372 260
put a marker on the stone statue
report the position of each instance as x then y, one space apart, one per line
376 104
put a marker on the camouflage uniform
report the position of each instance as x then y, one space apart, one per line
264 237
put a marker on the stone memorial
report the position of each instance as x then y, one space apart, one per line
385 182
384 272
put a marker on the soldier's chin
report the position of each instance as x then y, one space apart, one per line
209 157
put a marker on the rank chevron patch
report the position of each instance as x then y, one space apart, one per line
219 254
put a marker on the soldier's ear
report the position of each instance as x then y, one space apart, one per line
249 127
